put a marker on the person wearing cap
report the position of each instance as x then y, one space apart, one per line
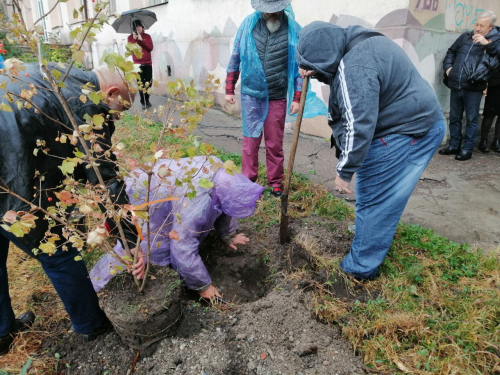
263 54
37 178
144 40
387 122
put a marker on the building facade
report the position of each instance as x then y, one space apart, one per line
194 38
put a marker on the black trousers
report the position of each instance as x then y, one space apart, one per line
146 75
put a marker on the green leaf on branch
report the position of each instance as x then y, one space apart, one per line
133 49
75 13
78 56
142 214
74 33
67 167
48 247
95 97
191 92
15 229
103 18
205 184
230 167
98 120
56 73
5 107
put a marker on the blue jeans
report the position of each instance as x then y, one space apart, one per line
384 183
70 279
469 101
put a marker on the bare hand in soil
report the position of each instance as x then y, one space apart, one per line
210 293
139 267
239 239
230 99
294 108
342 186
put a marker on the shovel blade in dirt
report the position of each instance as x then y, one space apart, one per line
291 160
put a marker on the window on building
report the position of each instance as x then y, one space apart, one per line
156 2
112 7
41 12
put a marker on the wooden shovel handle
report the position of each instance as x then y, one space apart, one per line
291 160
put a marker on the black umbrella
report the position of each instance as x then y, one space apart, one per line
124 23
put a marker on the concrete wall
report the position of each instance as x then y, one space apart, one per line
195 37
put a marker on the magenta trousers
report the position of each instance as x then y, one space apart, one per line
274 129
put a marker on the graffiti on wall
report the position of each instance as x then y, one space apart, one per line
464 13
418 29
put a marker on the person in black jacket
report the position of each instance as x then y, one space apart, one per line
462 57
492 103
37 178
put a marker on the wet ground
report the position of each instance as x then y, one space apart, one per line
459 200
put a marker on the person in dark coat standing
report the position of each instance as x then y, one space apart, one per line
492 103
144 40
386 121
37 178
467 52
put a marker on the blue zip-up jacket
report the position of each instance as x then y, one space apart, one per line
375 89
254 86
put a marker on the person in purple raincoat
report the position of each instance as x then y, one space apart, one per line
215 200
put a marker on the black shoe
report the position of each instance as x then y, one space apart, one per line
277 192
144 106
105 327
148 104
449 151
22 323
483 146
464 155
495 145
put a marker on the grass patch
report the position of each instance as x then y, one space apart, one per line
438 306
436 310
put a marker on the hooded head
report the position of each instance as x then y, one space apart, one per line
321 47
235 194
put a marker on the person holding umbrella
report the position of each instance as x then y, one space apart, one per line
146 74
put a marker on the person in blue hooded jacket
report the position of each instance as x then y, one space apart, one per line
386 121
264 51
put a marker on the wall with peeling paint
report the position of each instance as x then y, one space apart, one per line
195 37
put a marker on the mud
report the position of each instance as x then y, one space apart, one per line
267 328
143 319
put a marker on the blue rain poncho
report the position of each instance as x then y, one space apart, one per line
219 207
254 90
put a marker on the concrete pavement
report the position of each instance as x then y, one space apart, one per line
459 200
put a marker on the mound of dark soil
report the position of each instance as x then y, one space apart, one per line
142 319
266 328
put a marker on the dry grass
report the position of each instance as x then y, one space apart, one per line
438 311
30 289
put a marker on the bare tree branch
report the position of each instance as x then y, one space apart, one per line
81 45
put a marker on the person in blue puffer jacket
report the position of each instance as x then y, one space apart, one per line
264 51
